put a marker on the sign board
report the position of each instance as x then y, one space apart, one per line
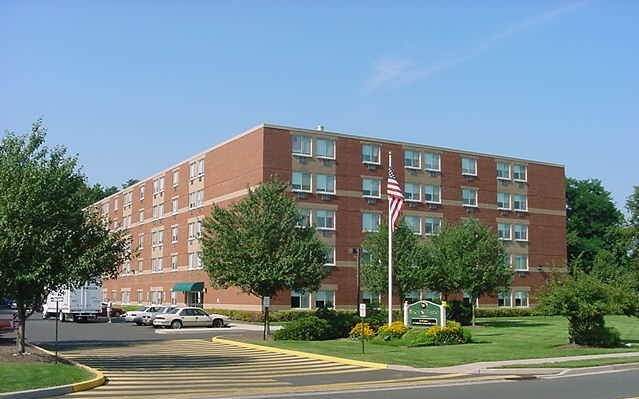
425 314
362 310
57 298
267 301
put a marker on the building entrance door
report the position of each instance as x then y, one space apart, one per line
195 298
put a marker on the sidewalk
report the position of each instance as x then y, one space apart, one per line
493 367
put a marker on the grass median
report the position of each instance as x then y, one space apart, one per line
23 376
493 339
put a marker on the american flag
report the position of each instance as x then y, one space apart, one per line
395 197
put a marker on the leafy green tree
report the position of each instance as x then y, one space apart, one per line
256 245
129 183
47 240
408 266
585 300
632 205
591 214
96 192
468 257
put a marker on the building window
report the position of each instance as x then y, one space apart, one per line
411 192
105 208
330 256
157 297
414 224
195 260
469 166
140 296
174 259
173 298
196 169
116 203
126 297
432 226
371 153
158 211
503 299
176 178
195 230
430 295
305 217
503 201
432 161
521 299
299 300
142 189
301 145
370 298
469 197
126 267
325 148
371 187
503 171
140 265
158 186
156 265
370 221
521 232
325 220
519 172
141 241
432 194
301 181
411 159
196 199
325 184
114 295
520 202
174 205
503 231
324 299
520 263
174 234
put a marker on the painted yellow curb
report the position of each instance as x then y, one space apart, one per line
302 354
82 385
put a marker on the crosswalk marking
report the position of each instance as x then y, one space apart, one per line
184 369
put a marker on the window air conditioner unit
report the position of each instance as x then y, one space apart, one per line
433 173
371 166
326 196
412 204
371 201
301 195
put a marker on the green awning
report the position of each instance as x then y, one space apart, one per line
186 287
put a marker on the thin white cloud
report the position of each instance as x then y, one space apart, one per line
403 70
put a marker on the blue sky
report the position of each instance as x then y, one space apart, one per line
136 86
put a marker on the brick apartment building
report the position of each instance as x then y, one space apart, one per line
339 183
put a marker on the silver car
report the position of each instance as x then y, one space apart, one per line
148 317
190 317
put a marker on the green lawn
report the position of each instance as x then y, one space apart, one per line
23 376
578 363
494 339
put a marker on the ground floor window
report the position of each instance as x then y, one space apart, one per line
114 296
324 299
503 299
126 297
299 300
140 295
370 298
520 299
157 297
173 298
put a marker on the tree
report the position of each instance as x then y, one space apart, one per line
258 246
632 205
408 267
96 192
47 240
129 183
468 257
591 213
585 300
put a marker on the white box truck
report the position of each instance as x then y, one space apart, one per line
83 303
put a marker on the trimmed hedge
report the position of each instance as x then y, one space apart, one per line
309 328
508 312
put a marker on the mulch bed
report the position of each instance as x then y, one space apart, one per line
8 353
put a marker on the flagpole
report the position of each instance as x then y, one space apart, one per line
390 253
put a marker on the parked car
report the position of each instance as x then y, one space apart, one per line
150 310
189 317
132 314
148 317
115 312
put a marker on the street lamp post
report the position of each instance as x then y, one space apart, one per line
358 253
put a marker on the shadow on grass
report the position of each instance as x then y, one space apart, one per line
511 323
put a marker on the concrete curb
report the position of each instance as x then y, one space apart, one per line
302 354
98 380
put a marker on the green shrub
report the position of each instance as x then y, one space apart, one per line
459 311
309 328
452 334
508 312
340 322
395 330
593 332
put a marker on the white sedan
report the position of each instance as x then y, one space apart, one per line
189 317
